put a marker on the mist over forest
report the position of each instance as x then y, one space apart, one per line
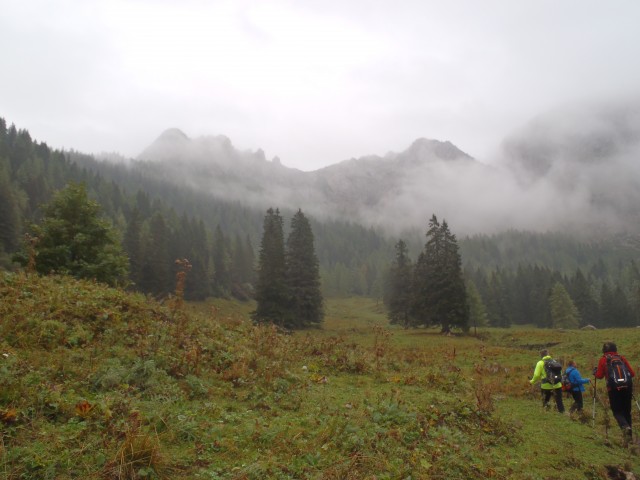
574 169
555 206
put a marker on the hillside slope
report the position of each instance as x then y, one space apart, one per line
100 384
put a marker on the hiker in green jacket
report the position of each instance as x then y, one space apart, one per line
547 389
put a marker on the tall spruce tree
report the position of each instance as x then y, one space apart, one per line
399 295
272 296
74 240
581 291
440 296
564 313
477 310
303 275
453 308
425 278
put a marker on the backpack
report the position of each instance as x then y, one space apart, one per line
618 375
567 386
553 370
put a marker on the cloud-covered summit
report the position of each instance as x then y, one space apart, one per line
587 157
580 135
575 169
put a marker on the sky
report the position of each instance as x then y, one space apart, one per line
312 82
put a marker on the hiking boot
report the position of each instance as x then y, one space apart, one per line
627 436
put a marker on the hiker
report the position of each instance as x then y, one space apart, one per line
577 386
616 369
548 387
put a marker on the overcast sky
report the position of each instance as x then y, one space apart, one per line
313 82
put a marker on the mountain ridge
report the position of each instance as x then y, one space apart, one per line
352 188
570 170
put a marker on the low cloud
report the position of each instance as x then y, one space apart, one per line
574 169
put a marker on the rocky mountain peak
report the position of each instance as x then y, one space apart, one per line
172 135
170 143
424 149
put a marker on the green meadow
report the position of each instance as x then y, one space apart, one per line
96 383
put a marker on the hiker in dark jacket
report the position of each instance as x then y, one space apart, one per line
577 386
619 398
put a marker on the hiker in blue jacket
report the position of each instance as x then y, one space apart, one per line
577 386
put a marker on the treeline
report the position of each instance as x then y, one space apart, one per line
516 278
152 232
510 276
544 297
352 258
159 222
602 254
525 278
503 291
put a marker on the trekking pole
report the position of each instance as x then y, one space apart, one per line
635 400
595 380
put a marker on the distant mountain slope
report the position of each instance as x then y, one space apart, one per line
366 190
572 170
214 165
399 190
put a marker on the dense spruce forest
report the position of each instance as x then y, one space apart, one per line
512 277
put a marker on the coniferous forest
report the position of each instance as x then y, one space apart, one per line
544 279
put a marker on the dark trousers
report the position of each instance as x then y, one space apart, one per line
557 393
578 402
620 401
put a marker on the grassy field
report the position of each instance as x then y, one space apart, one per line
99 384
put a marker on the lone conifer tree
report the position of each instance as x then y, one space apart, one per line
303 275
439 292
271 287
564 313
74 239
453 308
425 277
